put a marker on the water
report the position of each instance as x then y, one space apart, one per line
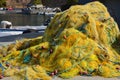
24 20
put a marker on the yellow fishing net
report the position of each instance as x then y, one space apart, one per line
83 40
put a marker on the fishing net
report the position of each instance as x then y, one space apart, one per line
83 40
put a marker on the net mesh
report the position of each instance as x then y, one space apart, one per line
83 40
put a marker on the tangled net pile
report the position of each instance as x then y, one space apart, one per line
83 40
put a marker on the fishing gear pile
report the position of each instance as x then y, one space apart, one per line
83 40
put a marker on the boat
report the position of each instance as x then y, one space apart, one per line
21 30
47 13
34 9
5 24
